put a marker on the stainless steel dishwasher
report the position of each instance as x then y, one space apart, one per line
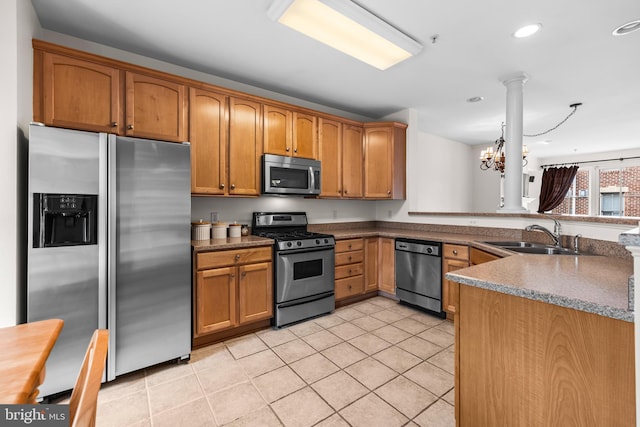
419 274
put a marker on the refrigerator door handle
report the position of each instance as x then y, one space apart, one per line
112 254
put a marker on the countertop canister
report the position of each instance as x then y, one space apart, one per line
219 230
200 230
234 230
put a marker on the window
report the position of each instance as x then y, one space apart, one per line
611 204
601 190
576 202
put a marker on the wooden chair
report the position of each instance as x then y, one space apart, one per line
84 398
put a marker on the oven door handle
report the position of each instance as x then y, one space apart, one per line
306 250
305 299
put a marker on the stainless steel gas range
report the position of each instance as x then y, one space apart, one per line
304 266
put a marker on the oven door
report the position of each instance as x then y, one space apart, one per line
304 273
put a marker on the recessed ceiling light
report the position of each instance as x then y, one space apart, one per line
627 28
475 99
527 30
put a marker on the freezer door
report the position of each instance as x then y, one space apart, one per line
65 282
150 253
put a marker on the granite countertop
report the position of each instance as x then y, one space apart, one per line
230 243
594 284
474 240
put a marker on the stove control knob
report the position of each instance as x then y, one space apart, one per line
326 240
289 244
299 243
317 241
429 250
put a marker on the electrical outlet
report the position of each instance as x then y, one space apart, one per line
214 217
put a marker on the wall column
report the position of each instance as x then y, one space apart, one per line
513 143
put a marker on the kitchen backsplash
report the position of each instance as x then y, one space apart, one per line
318 210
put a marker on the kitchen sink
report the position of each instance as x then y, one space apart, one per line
533 248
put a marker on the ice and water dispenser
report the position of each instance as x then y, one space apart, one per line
64 219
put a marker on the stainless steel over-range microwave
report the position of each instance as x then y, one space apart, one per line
290 175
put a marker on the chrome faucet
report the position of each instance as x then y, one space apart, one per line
576 241
555 235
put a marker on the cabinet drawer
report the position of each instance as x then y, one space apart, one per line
349 287
349 270
232 257
349 245
349 257
456 251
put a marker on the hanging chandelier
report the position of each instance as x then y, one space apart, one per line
491 158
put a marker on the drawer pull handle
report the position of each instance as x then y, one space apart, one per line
222 186
288 149
232 276
114 124
237 257
233 186
455 252
130 127
349 258
349 271
244 273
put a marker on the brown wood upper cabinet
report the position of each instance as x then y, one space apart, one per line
226 136
290 133
76 94
385 160
208 127
245 146
156 108
90 94
341 156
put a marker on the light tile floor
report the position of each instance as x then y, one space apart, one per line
373 363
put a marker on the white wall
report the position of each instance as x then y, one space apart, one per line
8 154
18 24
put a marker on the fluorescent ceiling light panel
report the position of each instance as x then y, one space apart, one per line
347 27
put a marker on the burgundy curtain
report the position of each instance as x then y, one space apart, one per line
555 184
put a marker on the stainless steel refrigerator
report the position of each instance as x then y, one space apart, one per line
109 247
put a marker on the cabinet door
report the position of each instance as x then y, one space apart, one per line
255 290
330 147
80 95
387 265
352 158
371 264
156 108
378 162
449 287
216 300
277 130
245 147
208 137
305 135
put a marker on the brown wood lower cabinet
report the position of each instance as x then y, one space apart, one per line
232 288
454 257
387 265
349 268
478 256
521 362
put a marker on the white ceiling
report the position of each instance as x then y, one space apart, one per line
573 59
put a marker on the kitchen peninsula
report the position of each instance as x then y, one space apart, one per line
544 340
